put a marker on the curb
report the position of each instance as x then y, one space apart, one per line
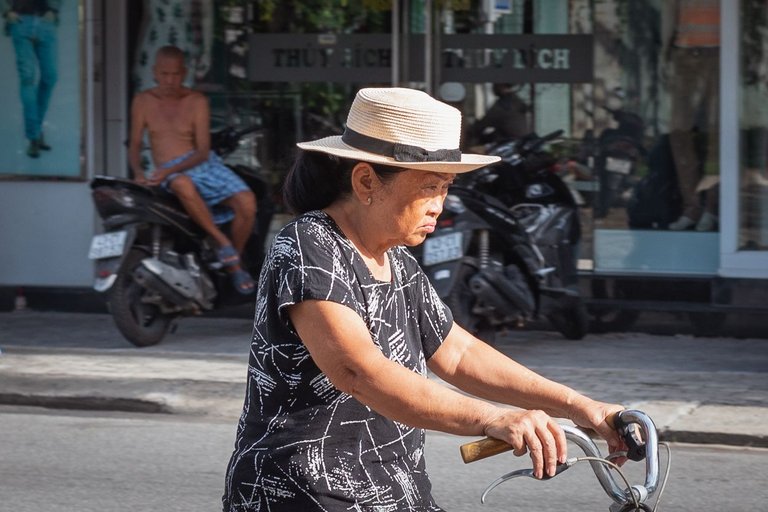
728 439
159 396
215 399
85 403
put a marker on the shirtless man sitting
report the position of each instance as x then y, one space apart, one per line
178 122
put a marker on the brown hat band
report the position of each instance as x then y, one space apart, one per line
400 152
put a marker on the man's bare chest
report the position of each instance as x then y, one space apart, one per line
170 113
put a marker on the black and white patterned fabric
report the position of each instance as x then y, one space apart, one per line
302 444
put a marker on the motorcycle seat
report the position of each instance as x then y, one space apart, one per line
161 202
112 181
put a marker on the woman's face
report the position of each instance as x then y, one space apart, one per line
410 203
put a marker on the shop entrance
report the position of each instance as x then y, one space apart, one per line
641 127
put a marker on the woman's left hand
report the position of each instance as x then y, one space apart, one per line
598 416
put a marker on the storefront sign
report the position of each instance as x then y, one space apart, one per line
463 58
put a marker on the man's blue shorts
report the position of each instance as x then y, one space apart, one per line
213 180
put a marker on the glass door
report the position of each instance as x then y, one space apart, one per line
744 77
642 128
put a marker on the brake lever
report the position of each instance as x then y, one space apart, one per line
521 472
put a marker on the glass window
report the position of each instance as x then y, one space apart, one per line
222 39
41 91
753 189
649 123
642 132
654 108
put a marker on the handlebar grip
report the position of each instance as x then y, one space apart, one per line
551 136
248 129
637 450
482 449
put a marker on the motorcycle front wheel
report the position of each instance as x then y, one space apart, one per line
612 318
140 322
572 322
460 301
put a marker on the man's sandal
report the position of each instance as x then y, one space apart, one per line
243 282
227 256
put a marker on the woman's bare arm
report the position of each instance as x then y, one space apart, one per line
342 348
479 369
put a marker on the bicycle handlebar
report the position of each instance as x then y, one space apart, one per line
522 148
624 422
248 129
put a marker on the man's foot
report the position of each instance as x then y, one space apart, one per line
33 150
228 256
230 260
242 281
42 144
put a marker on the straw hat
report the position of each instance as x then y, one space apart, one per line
402 128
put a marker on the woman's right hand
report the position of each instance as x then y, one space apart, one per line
531 431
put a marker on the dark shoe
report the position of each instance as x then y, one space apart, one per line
33 150
42 144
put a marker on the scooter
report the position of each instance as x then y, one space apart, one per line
619 151
505 246
155 264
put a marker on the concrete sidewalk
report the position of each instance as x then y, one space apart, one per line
725 407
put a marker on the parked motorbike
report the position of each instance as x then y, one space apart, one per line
154 263
618 153
504 249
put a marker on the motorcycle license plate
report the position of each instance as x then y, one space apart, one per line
107 245
618 165
443 248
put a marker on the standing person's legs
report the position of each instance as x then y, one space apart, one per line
688 174
686 94
22 32
711 69
46 48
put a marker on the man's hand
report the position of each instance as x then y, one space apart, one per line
50 16
140 178
12 16
158 177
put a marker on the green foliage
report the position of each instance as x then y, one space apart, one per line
321 16
754 24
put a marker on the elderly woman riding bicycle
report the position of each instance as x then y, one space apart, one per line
346 325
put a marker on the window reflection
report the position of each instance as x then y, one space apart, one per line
753 192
